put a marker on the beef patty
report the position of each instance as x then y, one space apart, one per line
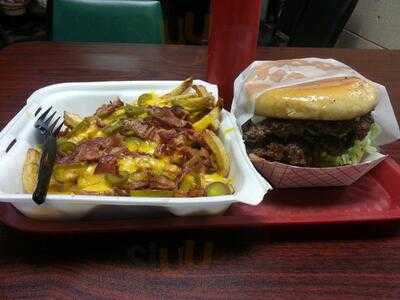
298 142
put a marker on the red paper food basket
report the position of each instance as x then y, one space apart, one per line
286 176
374 197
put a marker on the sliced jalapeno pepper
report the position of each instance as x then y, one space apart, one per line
115 180
217 189
134 111
81 127
65 146
110 130
152 193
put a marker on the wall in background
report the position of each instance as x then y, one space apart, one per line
374 24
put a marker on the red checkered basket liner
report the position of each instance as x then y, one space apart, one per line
286 176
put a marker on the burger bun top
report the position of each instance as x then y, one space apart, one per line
341 98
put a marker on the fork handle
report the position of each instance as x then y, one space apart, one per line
45 169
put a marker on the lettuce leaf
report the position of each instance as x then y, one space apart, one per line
355 153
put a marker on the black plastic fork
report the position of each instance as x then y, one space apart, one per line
48 132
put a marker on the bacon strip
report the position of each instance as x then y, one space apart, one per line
91 150
167 116
107 164
107 109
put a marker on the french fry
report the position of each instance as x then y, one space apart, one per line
178 97
196 116
201 91
195 104
30 170
71 119
210 120
180 89
217 148
220 102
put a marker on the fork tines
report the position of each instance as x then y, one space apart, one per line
43 123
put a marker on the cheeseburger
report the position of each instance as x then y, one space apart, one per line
317 124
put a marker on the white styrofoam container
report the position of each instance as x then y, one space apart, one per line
83 99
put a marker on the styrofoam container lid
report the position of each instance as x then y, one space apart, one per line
84 99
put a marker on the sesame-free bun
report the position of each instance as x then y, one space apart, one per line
341 98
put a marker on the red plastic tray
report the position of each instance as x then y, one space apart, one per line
375 197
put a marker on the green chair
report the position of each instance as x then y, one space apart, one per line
119 21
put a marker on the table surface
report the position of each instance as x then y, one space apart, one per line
345 261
